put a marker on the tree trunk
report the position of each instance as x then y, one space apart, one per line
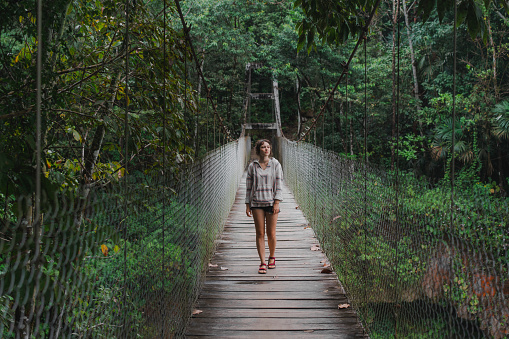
412 59
199 97
92 154
299 113
351 137
494 58
500 167
338 124
201 68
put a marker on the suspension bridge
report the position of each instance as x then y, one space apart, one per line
133 254
302 296
350 259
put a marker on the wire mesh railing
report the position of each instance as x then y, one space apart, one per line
406 268
88 269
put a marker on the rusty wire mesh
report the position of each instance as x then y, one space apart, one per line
408 271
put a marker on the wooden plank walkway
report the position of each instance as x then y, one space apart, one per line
295 300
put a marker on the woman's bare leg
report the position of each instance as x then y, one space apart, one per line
271 232
259 219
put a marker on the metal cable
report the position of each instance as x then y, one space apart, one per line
226 132
164 174
347 65
396 176
365 158
126 167
452 164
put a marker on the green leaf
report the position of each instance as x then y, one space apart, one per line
302 41
462 12
310 39
475 22
76 135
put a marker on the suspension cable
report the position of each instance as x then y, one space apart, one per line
207 120
126 155
200 73
365 160
333 111
36 222
453 112
346 66
38 118
452 181
164 163
347 121
397 229
185 91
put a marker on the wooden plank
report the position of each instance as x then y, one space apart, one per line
272 313
270 324
331 304
253 323
292 301
262 295
311 334
276 285
243 271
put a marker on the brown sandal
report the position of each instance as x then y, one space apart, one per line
273 265
262 269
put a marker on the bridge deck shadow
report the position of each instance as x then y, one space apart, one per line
292 301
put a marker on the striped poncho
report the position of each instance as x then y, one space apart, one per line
264 185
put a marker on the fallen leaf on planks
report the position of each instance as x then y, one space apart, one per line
224 268
343 306
212 265
315 248
326 270
195 312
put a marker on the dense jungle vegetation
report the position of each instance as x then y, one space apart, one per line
230 34
95 76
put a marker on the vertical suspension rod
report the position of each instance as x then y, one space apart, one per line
452 182
126 157
345 69
38 118
398 97
163 326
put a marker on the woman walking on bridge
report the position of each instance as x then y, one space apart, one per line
263 194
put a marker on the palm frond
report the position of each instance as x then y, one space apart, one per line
501 120
444 131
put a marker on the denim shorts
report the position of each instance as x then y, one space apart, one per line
267 209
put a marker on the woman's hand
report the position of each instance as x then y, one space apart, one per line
276 207
248 211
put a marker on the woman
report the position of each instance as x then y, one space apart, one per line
263 194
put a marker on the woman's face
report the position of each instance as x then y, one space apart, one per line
265 149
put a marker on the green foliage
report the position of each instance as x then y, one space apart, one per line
333 22
86 93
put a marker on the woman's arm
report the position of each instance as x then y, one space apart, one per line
278 183
249 187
